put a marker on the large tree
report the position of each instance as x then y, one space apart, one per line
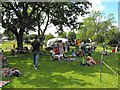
20 17
59 14
98 28
16 19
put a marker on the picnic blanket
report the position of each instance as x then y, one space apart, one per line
3 83
70 59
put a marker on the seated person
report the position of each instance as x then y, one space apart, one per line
89 60
104 52
87 48
73 53
113 50
55 53
3 61
83 62
25 49
11 72
12 52
56 50
80 53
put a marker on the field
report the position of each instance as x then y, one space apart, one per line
55 74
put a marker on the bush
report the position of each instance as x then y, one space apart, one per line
27 41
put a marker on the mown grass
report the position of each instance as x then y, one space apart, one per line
55 74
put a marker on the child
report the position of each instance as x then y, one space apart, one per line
83 62
104 52
73 53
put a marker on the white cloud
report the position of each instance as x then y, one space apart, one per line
96 5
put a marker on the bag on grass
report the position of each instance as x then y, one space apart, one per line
15 72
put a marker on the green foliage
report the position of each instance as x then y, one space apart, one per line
71 36
32 36
62 35
26 37
115 40
29 37
10 35
47 37
98 28
25 16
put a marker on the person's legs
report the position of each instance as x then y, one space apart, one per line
36 60
68 48
77 48
34 56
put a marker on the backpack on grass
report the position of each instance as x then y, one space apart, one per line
14 72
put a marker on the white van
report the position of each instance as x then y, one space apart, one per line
51 43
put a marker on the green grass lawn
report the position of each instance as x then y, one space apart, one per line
55 74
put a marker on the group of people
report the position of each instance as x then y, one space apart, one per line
14 51
6 71
58 51
82 48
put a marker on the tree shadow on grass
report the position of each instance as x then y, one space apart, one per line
55 81
41 78
51 74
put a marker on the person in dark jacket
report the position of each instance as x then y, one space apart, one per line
35 49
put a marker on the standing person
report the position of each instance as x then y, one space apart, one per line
35 45
66 46
77 45
61 50
85 46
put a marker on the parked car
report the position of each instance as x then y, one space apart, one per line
51 43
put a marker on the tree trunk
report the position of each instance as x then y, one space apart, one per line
39 36
20 41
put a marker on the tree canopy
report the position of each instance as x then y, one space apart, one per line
20 17
98 28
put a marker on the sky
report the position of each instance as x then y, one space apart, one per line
111 7
106 6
